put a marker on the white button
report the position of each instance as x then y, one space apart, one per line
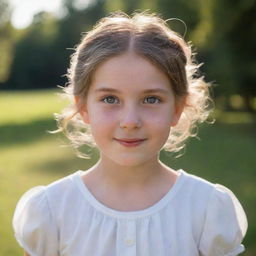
129 242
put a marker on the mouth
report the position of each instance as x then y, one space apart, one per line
130 142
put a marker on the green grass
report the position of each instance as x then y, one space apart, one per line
29 156
25 106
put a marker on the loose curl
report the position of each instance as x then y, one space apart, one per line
147 35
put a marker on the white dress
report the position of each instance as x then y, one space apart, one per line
194 218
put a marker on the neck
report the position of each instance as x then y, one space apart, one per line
136 176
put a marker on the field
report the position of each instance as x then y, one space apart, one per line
29 156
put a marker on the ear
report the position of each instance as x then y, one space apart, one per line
82 109
179 107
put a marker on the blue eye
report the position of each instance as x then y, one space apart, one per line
152 100
110 100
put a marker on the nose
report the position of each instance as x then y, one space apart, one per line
130 118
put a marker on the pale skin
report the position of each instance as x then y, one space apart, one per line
118 106
125 174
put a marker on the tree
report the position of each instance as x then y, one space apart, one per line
6 40
228 47
32 64
41 57
70 29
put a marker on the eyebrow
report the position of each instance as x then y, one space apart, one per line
155 90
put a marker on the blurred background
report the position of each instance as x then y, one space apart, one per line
36 41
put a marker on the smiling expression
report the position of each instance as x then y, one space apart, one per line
130 108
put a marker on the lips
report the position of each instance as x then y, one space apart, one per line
130 142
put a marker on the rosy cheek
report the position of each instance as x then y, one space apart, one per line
104 116
159 117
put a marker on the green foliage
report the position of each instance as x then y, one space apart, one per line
31 66
4 12
222 32
228 48
30 156
6 42
182 9
6 48
41 57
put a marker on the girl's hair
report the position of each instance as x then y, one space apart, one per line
149 36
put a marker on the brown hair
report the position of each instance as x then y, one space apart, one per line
147 35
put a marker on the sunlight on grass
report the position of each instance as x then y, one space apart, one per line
24 106
234 117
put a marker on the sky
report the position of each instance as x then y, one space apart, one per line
24 10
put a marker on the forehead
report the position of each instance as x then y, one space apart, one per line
129 71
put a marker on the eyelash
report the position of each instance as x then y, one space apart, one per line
158 99
106 97
114 97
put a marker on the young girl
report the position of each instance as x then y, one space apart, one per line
134 91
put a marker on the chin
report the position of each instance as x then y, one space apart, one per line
130 161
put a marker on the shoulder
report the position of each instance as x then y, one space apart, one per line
225 224
36 220
202 188
62 187
54 198
63 190
226 212
219 215
43 196
196 188
218 197
39 200
33 200
196 180
32 220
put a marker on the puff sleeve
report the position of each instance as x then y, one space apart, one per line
33 224
225 225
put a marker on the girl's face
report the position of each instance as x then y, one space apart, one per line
130 108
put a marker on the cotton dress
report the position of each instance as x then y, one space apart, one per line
194 218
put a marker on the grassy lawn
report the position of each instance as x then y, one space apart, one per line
29 156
